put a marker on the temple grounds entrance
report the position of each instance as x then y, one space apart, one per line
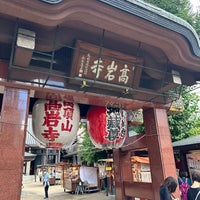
118 54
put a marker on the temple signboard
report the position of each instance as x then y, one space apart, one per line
91 62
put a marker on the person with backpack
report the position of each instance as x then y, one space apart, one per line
194 191
184 184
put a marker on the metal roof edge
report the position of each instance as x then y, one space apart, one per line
160 17
51 1
27 154
187 141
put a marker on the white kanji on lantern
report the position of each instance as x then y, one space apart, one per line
107 127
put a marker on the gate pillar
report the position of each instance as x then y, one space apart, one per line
159 145
157 141
14 114
122 169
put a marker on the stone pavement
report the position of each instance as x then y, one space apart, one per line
35 191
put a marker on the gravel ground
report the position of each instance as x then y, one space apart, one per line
35 191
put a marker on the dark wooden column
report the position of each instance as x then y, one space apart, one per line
159 146
12 138
122 169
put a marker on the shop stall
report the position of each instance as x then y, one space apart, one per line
187 154
193 161
76 175
141 169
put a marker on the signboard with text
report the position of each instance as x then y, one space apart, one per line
90 62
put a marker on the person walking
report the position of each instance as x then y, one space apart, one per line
46 184
40 175
167 188
193 192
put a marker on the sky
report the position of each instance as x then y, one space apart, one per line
195 3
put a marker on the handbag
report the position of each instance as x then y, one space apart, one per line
197 195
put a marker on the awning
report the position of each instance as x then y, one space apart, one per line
140 159
29 156
188 141
106 160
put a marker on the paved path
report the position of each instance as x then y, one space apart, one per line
35 191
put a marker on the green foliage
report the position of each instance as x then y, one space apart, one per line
196 129
183 125
89 154
140 129
180 8
196 23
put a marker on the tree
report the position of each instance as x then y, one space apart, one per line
196 129
187 123
89 154
180 8
196 23
182 125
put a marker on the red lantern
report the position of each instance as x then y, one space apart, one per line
107 127
55 122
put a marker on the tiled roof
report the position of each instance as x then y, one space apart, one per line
160 17
26 154
31 140
188 141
